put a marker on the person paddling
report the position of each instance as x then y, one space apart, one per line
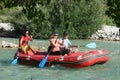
54 47
23 43
66 44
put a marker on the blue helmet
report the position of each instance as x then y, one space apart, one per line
55 33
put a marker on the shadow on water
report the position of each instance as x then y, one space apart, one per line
57 67
52 67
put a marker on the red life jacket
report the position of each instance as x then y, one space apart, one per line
25 40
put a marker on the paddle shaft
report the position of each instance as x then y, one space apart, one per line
44 60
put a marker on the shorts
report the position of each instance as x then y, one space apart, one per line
26 48
65 51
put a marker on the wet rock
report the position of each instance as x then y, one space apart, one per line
5 44
107 33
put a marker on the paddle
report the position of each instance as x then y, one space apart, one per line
44 60
15 61
91 45
42 63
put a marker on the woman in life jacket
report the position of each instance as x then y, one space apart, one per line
54 47
23 43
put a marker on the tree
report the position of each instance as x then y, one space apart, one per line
81 18
114 10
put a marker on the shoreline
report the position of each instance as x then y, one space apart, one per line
70 39
37 47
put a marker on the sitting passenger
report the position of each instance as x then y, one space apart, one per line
66 44
54 48
23 43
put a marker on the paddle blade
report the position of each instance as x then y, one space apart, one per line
15 61
91 45
42 63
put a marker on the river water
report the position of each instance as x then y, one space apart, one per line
107 71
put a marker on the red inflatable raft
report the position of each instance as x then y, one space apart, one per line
72 60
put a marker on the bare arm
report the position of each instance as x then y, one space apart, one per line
73 45
31 39
54 43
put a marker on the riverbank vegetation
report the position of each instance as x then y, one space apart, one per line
81 18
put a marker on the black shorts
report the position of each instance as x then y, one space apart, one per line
65 51
55 53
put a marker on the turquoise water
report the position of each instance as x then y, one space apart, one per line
108 71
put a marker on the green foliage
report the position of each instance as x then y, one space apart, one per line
108 20
114 10
81 18
15 16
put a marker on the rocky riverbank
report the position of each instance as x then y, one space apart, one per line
7 30
4 44
110 33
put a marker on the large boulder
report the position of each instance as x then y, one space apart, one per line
107 33
7 30
7 26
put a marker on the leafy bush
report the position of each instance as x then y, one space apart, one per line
81 18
